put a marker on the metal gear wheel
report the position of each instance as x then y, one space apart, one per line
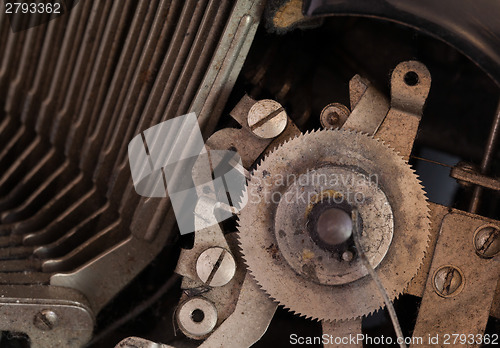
298 270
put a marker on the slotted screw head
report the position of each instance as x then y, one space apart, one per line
487 241
267 119
45 320
448 281
215 266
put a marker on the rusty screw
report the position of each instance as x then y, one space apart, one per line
448 281
215 266
267 119
347 256
487 241
334 115
45 320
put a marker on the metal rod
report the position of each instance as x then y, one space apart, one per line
487 159
431 161
383 292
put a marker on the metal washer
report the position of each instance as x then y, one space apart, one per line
340 185
187 323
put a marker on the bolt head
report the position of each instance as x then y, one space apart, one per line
334 115
448 281
487 241
215 266
45 320
267 119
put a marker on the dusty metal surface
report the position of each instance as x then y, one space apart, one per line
225 295
258 236
466 304
417 285
267 118
137 342
369 106
75 90
342 330
253 309
487 160
410 84
236 299
149 216
467 175
50 316
303 253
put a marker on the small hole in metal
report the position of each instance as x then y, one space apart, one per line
411 78
197 315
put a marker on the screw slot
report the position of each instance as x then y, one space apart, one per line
215 266
267 119
45 320
487 241
411 78
448 281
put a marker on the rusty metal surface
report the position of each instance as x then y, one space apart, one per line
487 160
417 285
137 342
466 175
68 323
74 91
301 294
228 297
342 330
410 84
334 115
253 309
369 107
466 306
239 300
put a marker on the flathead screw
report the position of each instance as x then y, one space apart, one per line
448 281
267 119
45 320
487 241
215 266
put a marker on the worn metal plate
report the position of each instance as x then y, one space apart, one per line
467 310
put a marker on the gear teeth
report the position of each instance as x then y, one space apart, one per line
347 137
280 145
